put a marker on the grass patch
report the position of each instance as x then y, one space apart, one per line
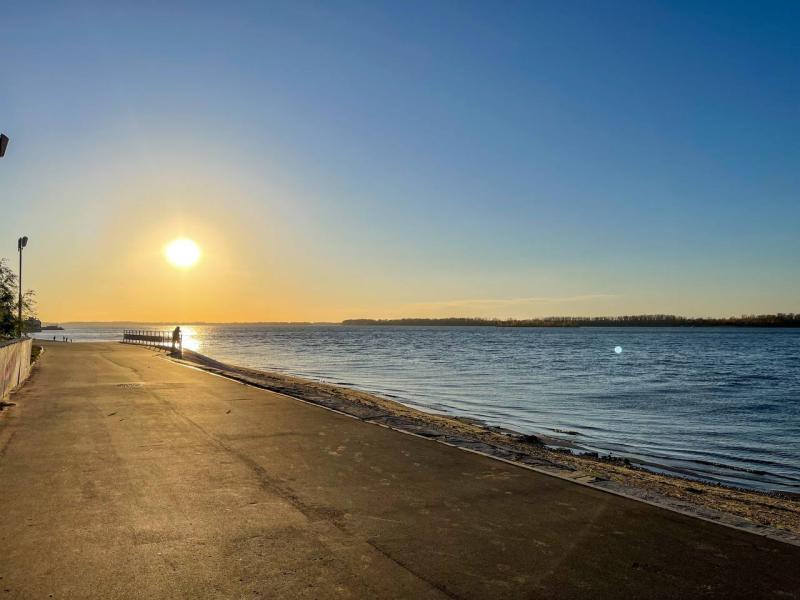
35 352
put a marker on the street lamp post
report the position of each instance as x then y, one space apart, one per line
21 243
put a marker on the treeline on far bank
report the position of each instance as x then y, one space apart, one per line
776 320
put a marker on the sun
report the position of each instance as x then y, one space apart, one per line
183 253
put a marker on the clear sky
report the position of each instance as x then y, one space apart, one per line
338 159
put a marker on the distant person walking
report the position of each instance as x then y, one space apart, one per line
176 337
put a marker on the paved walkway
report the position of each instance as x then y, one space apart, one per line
124 475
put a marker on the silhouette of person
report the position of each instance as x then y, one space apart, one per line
176 336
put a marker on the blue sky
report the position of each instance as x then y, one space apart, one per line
401 159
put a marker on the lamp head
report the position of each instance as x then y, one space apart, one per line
22 242
3 144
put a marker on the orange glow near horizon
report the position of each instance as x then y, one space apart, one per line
274 253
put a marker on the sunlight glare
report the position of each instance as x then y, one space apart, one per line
191 339
182 253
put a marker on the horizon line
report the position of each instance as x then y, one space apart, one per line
383 319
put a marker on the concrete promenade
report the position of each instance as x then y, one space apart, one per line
125 475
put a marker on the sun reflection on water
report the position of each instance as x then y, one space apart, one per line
191 339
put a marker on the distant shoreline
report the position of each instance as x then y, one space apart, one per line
778 320
789 320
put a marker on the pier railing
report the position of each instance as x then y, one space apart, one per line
154 338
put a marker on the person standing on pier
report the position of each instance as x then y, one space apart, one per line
176 336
